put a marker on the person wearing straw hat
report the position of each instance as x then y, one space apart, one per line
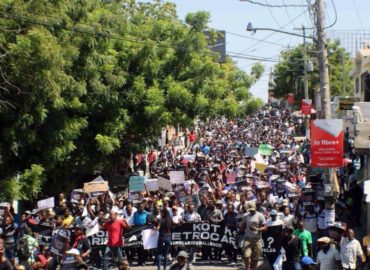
328 257
182 262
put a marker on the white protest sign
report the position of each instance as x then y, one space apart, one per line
367 187
92 230
46 203
151 184
98 179
177 177
329 217
5 205
164 183
84 212
150 238
189 158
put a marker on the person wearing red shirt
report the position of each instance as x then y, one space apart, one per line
151 157
191 138
115 228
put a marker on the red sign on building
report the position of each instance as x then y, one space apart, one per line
306 106
327 143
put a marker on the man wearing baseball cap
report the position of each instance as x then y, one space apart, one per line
253 224
182 262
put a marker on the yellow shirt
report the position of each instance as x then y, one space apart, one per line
366 244
67 221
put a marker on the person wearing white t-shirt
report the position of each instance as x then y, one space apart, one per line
273 220
128 213
328 257
287 218
176 216
350 250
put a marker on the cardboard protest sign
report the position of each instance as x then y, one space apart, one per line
136 183
308 196
58 242
262 184
164 183
96 186
250 151
260 166
46 203
76 195
272 242
231 177
177 177
189 158
151 184
282 166
327 143
69 261
265 149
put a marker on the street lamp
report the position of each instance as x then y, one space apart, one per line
250 28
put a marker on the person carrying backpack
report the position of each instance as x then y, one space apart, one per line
25 248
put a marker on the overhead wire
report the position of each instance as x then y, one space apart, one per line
287 13
256 39
273 16
308 20
335 14
114 36
273 6
358 14
273 33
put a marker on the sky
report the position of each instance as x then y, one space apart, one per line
233 16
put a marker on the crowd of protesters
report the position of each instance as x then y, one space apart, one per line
251 202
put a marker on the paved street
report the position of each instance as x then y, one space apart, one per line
205 267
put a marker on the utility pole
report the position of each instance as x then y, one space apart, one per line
323 59
325 94
306 96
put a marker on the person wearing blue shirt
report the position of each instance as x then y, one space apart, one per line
141 218
205 149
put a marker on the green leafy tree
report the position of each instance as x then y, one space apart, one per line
85 83
288 74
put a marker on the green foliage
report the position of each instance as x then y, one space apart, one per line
27 186
288 74
85 83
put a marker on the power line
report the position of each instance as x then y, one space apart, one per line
83 31
272 6
108 35
336 16
272 15
256 39
273 33
358 14
253 58
287 13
